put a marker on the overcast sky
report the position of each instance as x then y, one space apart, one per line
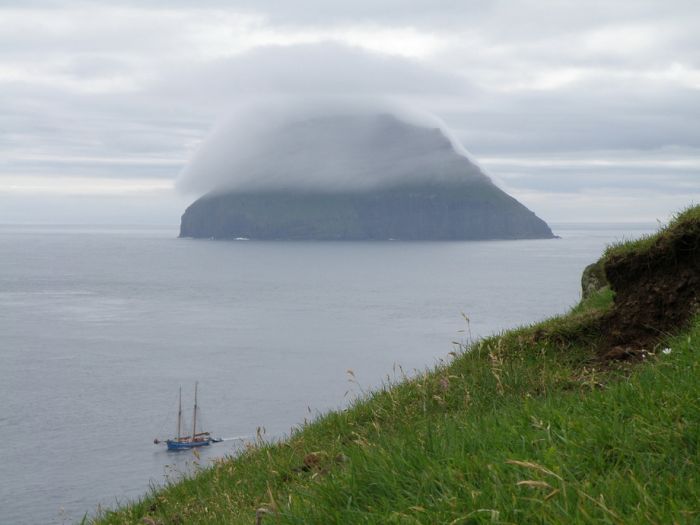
585 111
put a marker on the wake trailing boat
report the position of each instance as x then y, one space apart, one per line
196 439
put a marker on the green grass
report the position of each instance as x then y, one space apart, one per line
525 427
677 225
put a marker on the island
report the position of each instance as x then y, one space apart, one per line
388 180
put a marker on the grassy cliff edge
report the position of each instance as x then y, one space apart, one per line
583 418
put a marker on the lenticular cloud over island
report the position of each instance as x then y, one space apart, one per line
338 145
344 172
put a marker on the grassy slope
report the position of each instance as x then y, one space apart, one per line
690 215
521 428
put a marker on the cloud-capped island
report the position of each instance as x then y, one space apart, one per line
349 174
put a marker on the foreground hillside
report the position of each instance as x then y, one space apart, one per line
589 417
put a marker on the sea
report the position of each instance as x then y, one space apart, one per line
100 327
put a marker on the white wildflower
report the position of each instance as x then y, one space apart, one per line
666 351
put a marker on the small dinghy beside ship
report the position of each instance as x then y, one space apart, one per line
194 440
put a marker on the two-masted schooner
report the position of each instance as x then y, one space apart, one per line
196 439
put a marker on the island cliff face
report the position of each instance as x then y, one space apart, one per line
428 191
402 213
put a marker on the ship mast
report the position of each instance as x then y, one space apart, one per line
194 416
179 414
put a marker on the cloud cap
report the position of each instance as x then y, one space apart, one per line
329 144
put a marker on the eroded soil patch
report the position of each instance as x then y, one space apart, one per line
657 291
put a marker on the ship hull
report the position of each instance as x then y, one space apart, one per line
185 445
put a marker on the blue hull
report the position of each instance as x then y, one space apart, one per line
184 445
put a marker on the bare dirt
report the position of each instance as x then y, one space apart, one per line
657 291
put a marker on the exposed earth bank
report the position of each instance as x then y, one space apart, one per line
657 288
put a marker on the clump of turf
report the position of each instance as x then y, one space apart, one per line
656 281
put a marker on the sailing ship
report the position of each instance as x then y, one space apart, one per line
194 440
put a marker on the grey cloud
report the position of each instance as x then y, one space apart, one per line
169 116
573 179
522 16
150 208
584 116
335 143
156 96
324 68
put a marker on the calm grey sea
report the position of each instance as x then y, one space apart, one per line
99 326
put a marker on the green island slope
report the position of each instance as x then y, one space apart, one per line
583 418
